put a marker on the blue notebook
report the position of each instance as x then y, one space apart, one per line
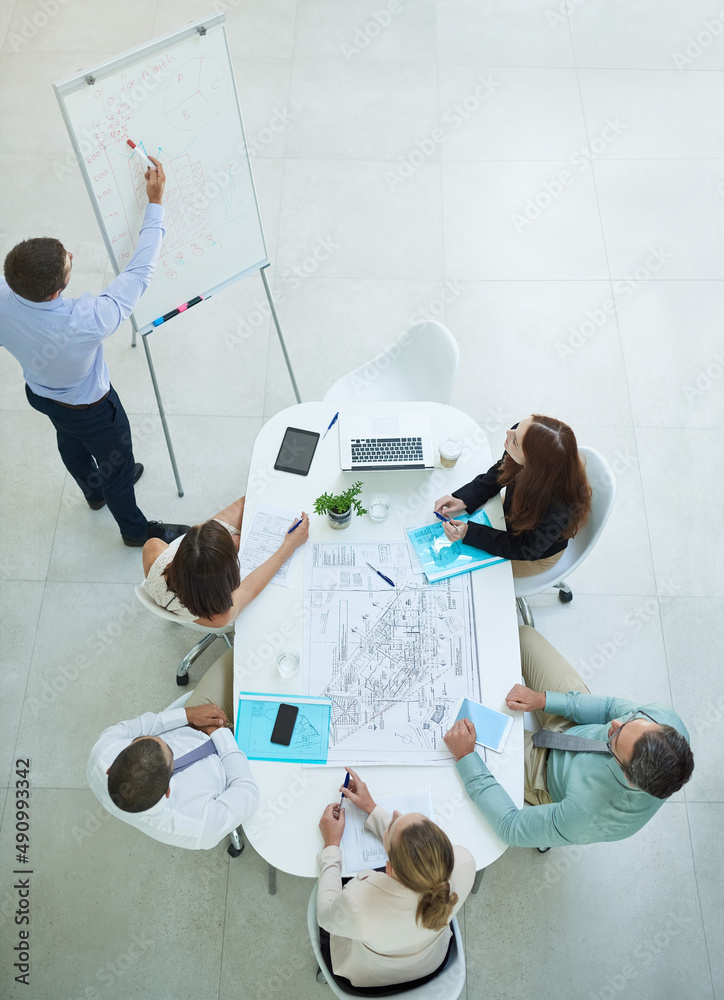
440 558
255 721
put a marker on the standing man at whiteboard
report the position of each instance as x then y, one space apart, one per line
59 344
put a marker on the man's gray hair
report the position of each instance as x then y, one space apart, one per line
661 762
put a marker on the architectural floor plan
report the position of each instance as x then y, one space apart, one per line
393 660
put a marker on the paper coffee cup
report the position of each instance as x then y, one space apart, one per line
450 452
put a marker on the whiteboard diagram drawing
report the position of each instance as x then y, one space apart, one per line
196 93
175 98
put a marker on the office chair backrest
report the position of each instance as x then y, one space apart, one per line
603 486
447 986
420 367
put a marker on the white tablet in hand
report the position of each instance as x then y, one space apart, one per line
491 727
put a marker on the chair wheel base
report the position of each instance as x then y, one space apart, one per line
235 851
183 680
565 597
320 976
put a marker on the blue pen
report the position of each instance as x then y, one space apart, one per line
332 423
346 785
442 518
385 578
294 526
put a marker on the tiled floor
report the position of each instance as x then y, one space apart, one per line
572 210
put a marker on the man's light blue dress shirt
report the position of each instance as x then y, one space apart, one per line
592 800
59 344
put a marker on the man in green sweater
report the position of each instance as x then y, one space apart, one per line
579 797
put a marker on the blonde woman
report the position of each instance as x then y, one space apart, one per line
387 931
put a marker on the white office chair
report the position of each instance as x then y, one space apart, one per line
237 844
182 674
447 986
603 486
421 365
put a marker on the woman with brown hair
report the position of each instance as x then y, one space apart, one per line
197 576
387 931
547 497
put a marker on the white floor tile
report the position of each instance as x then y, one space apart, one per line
650 34
522 220
674 354
95 905
510 114
60 28
26 82
615 643
660 217
356 31
367 226
692 634
19 612
570 329
513 33
356 96
705 822
693 562
277 951
652 945
653 114
263 88
30 494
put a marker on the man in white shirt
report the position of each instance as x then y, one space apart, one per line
59 343
140 769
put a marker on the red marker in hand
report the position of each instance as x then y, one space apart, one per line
142 156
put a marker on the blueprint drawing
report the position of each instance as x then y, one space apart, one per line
393 661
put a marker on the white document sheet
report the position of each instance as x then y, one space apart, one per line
268 528
360 848
393 660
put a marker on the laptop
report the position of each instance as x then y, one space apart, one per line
369 443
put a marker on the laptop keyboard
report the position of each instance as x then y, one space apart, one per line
392 451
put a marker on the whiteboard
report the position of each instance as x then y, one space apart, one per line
175 98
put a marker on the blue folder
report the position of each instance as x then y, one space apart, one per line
440 558
255 721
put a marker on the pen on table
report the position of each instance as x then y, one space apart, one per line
142 156
441 516
295 526
385 578
341 798
331 425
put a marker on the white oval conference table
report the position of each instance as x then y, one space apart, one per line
284 828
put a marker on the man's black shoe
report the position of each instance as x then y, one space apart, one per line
157 529
137 473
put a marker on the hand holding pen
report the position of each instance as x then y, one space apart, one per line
341 798
297 533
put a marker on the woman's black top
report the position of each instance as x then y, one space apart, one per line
538 543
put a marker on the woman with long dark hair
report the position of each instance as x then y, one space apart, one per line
197 576
547 497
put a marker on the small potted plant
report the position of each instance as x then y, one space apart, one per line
338 507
